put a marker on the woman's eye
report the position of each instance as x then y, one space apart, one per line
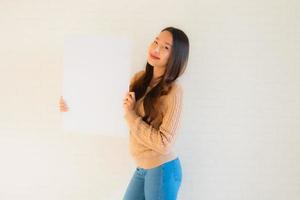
166 48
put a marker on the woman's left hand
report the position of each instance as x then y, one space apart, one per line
129 102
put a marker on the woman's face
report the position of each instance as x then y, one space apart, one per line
159 50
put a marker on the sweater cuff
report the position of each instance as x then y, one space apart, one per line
131 118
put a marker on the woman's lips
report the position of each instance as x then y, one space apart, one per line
154 57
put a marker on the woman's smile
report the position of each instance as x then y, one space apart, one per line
154 57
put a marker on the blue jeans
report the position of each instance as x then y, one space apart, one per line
158 183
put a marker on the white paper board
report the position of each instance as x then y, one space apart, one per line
95 79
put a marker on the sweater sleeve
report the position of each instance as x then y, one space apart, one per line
163 138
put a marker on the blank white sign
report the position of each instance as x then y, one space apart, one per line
96 78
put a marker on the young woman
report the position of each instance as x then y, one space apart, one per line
152 112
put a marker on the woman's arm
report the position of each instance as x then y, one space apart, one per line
163 138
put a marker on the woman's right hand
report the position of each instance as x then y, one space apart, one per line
63 107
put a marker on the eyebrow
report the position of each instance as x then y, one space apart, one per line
165 42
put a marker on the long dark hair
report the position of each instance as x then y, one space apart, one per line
175 67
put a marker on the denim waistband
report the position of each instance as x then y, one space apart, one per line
166 163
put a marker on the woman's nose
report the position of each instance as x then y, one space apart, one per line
157 49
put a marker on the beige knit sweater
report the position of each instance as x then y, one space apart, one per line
152 145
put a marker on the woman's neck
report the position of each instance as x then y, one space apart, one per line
158 72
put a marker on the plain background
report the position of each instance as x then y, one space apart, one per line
239 136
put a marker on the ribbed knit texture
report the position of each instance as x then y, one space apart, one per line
152 145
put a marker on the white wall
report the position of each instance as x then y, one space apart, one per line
239 137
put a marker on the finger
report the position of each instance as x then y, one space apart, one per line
125 105
128 97
65 109
132 94
63 105
131 97
130 100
